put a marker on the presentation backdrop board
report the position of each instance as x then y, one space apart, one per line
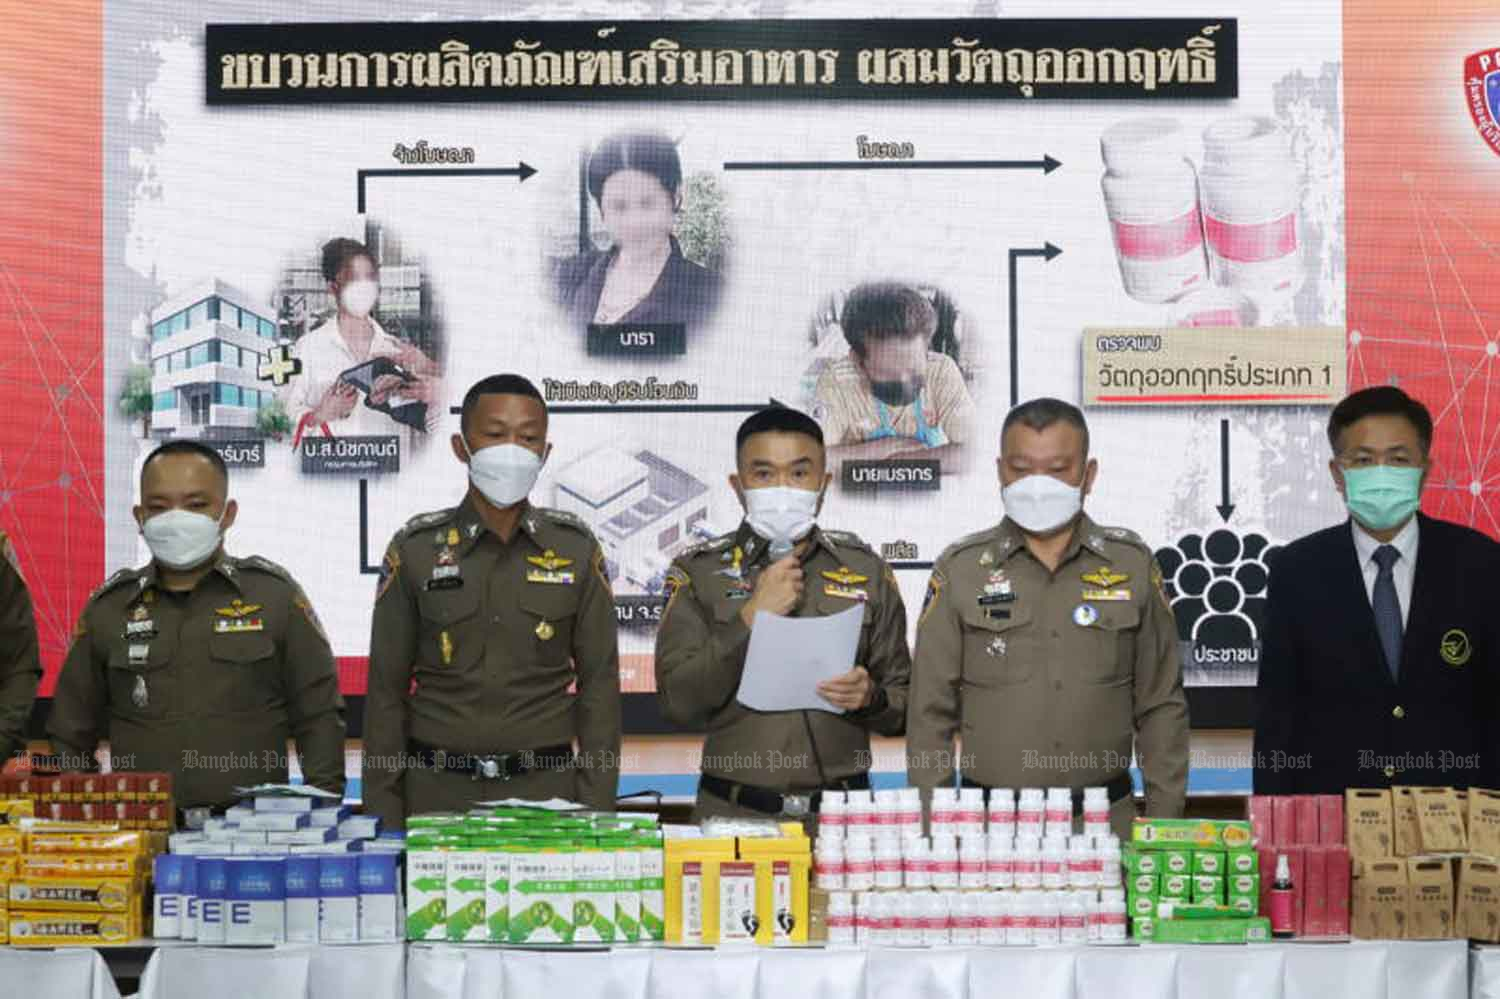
1143 214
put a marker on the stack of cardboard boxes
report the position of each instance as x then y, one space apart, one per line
128 800
1309 830
739 889
1425 863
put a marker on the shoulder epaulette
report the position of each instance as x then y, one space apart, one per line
263 565
847 539
120 577
422 521
1125 536
969 541
711 545
564 518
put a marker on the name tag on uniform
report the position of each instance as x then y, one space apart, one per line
990 599
845 592
234 626
140 629
549 576
139 653
998 613
1106 595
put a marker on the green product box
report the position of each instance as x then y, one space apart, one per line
1243 905
1144 884
1143 928
594 896
1176 886
1213 931
541 898
1177 862
653 890
1192 834
1208 888
1140 906
1141 861
1242 862
1209 862
628 892
466 891
426 895
1178 909
1243 884
497 896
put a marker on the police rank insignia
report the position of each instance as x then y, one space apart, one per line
550 568
843 583
140 626
445 646
997 590
996 646
545 631
139 696
238 617
1104 585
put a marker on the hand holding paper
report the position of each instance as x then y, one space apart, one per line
789 657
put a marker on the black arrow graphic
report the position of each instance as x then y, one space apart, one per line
1046 164
1047 251
365 568
691 407
1225 508
521 171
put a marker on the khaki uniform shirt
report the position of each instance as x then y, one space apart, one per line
20 661
700 654
477 643
207 685
1047 678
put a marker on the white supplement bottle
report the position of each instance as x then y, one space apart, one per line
1151 198
1251 190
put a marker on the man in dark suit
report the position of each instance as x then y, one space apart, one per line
1381 655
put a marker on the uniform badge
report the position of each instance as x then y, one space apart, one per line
843 583
996 646
453 537
1084 615
735 560
1455 648
445 645
238 617
675 580
545 631
300 601
934 587
389 566
140 625
845 592
549 568
987 557
139 696
139 653
446 572
542 576
1105 578
844 576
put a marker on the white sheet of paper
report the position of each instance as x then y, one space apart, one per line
790 656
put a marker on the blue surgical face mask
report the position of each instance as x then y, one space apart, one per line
1382 496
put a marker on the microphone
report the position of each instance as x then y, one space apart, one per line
781 548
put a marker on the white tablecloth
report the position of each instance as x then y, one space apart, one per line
66 973
1484 972
291 971
1360 970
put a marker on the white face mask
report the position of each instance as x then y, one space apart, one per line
1040 503
181 539
503 473
359 297
781 513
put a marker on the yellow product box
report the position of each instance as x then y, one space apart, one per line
692 876
14 809
77 865
781 883
9 866
30 928
98 894
77 841
12 841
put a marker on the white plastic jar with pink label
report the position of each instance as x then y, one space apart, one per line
1250 192
1151 198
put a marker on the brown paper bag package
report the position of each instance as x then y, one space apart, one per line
1441 826
1429 898
1484 822
1379 893
1478 900
1406 829
1367 815
1461 795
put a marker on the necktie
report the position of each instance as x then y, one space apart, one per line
1388 608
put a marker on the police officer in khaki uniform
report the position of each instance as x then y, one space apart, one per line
1046 643
20 661
764 764
199 663
486 615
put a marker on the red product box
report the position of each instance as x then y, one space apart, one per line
57 788
25 787
153 786
121 787
7 787
1315 892
1284 824
1296 858
1336 869
1308 830
1330 819
89 787
52 810
1262 818
1267 854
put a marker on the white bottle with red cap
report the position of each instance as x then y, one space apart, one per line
1029 812
1095 811
1002 812
970 818
1151 198
833 815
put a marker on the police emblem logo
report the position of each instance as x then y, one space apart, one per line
1482 95
1455 648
